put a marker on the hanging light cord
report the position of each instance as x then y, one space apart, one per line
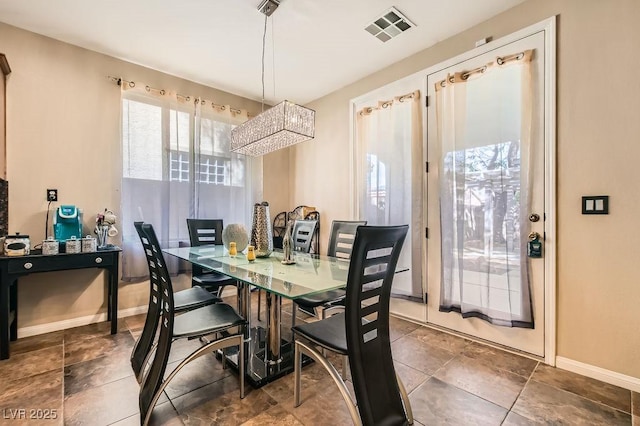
264 42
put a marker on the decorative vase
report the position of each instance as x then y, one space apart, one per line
287 246
236 233
261 233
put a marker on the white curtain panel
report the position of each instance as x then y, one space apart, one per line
389 156
484 181
177 165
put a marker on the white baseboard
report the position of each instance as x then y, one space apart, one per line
76 322
607 376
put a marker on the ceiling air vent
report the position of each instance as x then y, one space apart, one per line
389 25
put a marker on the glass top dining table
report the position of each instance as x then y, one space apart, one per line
308 275
271 356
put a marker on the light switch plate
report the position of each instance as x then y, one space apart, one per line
595 204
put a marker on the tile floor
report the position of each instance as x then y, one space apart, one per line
83 376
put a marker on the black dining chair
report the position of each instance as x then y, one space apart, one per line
219 319
184 300
207 232
302 233
341 239
362 332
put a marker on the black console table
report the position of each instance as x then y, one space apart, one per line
11 268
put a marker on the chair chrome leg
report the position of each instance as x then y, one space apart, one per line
302 348
147 358
297 366
405 400
241 361
345 365
294 313
211 347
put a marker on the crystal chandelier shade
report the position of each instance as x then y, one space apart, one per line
281 126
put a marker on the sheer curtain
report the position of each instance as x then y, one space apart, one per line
177 165
389 158
484 192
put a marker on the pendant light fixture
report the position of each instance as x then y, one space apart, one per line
281 126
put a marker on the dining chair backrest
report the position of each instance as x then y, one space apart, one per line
341 238
375 254
205 231
145 341
302 234
154 377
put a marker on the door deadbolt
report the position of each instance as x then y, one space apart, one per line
534 217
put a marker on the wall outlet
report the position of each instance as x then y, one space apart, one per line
52 195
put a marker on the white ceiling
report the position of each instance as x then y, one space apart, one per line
318 46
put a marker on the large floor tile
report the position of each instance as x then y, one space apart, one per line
323 405
514 419
96 347
219 403
488 382
196 374
96 372
22 365
34 343
399 327
163 414
438 403
546 404
274 416
587 387
41 392
310 378
134 322
102 405
411 378
517 364
419 355
440 339
91 331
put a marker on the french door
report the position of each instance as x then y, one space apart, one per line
485 204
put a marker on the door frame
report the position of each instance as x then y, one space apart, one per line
548 27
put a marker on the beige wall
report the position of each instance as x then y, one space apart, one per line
63 131
598 102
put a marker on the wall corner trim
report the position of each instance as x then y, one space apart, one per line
607 376
76 322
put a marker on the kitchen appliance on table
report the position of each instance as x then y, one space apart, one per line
67 223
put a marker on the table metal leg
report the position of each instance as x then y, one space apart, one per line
244 306
5 312
274 343
13 304
113 289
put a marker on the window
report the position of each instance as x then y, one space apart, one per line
177 164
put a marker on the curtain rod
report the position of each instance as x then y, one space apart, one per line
499 61
162 92
386 104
